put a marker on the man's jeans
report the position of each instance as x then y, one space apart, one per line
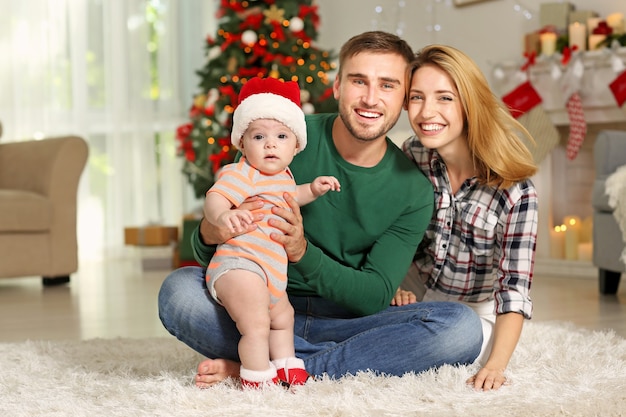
397 340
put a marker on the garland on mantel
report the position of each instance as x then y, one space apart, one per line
567 69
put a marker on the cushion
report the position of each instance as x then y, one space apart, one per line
24 211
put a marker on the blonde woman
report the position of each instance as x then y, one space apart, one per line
479 248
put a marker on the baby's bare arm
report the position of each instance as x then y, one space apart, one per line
307 193
218 211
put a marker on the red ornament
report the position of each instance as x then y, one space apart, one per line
217 159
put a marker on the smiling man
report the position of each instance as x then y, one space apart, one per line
348 253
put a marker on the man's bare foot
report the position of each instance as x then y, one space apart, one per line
212 371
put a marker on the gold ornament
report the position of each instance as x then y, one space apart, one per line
274 72
274 14
231 66
199 101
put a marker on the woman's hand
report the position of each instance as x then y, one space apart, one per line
403 297
506 333
488 379
214 235
293 231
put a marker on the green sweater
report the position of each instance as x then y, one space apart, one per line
362 239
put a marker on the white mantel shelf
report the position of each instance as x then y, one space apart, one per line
564 268
600 108
599 105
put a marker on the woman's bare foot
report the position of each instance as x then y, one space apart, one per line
212 371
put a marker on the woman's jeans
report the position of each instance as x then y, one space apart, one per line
397 340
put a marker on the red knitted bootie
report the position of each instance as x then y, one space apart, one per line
259 379
246 384
291 371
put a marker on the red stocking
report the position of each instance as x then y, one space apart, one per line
577 125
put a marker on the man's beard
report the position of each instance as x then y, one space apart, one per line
364 134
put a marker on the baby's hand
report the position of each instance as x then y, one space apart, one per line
237 221
321 185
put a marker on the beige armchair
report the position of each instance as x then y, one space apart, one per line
38 188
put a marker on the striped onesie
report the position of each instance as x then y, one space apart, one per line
254 251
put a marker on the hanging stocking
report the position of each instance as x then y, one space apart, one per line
618 85
577 125
524 104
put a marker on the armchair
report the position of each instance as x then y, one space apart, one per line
609 154
38 187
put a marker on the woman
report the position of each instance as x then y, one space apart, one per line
480 245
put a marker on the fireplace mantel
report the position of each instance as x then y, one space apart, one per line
555 172
599 104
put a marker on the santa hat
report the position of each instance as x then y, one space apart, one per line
269 98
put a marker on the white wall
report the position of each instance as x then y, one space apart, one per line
490 31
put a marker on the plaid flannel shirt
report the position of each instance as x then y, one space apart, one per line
480 244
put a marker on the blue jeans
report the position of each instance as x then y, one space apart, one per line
331 340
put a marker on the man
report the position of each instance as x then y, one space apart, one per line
349 252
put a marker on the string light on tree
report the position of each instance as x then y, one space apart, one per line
270 38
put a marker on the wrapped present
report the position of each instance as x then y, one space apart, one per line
151 235
555 14
532 43
582 16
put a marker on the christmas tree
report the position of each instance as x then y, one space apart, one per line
272 38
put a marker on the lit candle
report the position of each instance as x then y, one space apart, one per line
616 22
600 32
592 23
594 41
572 236
571 244
557 243
586 230
548 43
584 251
578 36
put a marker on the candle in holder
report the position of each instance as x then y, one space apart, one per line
586 230
548 43
578 36
600 32
572 236
557 242
584 251
592 23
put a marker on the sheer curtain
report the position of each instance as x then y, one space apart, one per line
121 74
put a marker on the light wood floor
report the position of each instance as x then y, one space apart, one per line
116 299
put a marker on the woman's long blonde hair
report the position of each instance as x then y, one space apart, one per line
499 154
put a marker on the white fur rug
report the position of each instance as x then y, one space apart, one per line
615 186
557 370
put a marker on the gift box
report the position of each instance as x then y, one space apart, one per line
555 14
532 43
582 16
151 235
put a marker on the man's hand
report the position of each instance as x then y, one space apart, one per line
214 235
293 238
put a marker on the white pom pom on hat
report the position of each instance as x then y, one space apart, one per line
269 98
